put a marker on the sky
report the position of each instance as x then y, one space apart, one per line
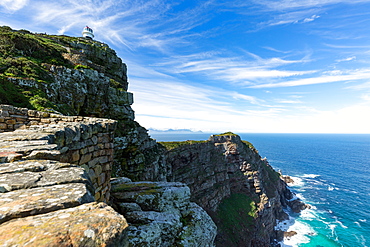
257 66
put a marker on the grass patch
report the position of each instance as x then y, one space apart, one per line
173 145
81 66
27 97
229 133
10 94
236 216
250 145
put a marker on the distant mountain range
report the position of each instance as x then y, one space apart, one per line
174 131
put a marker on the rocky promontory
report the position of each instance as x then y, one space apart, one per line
77 170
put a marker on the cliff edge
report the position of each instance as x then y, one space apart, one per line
58 94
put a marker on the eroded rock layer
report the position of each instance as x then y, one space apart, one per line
228 178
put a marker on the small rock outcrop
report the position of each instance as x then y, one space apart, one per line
161 214
91 224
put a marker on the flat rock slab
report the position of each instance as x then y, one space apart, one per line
19 143
24 135
93 224
156 196
22 203
24 180
31 166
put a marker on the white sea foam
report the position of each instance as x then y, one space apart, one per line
308 214
300 196
362 220
303 230
361 240
330 188
297 182
332 228
285 224
310 176
339 222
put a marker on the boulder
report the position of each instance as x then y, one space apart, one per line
26 202
161 214
93 225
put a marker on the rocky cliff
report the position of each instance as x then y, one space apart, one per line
241 191
162 190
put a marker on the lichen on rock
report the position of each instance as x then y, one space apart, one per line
161 214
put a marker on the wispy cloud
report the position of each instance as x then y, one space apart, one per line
234 69
12 5
347 59
294 4
294 17
164 104
170 104
312 18
343 76
149 24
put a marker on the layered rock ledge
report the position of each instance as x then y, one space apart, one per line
54 171
52 177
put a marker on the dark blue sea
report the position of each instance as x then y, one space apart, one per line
331 173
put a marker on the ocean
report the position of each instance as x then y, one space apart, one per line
331 173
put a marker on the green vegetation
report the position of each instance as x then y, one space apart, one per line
229 133
250 145
12 95
23 55
26 59
173 145
144 188
81 66
20 49
236 215
24 96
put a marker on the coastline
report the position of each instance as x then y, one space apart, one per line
295 232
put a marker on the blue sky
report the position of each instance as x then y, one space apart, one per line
289 66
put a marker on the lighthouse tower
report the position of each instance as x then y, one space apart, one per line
88 33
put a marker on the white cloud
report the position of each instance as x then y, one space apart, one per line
193 112
13 5
312 18
293 17
251 99
347 59
345 76
162 103
134 23
287 101
243 69
294 4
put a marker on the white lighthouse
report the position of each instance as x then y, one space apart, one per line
88 33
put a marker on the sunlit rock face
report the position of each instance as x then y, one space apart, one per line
161 214
222 167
